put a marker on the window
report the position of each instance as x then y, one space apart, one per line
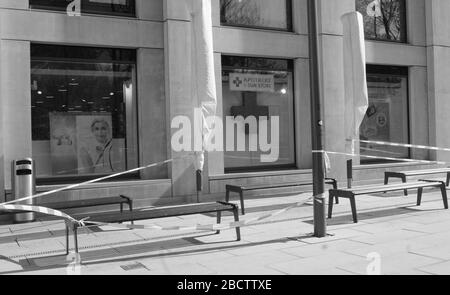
272 98
383 19
387 116
268 14
111 7
83 110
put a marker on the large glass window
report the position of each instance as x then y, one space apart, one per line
258 87
270 14
387 116
83 110
384 19
112 7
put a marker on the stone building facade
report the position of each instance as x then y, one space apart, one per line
137 53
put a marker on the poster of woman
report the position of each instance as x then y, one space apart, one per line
97 152
63 144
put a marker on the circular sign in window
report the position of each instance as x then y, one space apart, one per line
374 9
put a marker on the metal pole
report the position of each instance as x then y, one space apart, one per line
320 226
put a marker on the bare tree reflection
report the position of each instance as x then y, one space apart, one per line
240 12
383 19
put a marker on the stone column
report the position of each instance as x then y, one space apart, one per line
438 51
178 64
332 64
15 96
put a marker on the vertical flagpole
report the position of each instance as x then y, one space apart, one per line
320 227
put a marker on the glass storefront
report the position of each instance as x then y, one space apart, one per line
111 7
273 97
387 117
269 14
383 19
83 110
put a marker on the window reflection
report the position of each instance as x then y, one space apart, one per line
274 14
383 19
387 116
273 96
83 110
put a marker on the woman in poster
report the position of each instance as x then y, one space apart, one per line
98 158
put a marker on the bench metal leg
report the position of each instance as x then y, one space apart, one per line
236 218
447 183
354 213
67 240
386 180
419 196
334 184
444 196
330 206
130 205
241 196
121 210
219 220
75 237
404 181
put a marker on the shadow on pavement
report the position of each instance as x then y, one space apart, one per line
142 250
347 219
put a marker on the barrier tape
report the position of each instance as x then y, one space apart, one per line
90 181
38 209
381 158
9 206
395 144
208 227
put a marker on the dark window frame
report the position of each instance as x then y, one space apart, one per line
399 71
131 58
95 9
289 68
289 21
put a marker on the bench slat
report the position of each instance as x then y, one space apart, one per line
160 212
275 185
400 184
76 204
362 190
85 203
423 172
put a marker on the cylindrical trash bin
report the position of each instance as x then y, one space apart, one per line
23 185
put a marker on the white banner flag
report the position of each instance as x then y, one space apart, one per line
356 95
203 72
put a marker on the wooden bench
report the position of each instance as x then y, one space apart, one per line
240 189
403 174
160 212
350 193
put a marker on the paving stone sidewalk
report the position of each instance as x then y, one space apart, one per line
407 239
